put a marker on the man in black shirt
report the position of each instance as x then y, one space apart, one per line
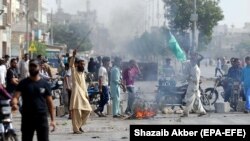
12 77
37 99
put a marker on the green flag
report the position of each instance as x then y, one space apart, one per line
176 49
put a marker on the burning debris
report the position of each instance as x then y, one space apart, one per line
142 113
143 110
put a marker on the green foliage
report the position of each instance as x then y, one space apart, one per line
40 48
73 35
179 12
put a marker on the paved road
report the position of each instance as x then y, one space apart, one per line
109 129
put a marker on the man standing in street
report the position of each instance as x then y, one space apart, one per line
115 85
37 99
103 86
192 97
12 76
129 75
79 103
24 67
246 82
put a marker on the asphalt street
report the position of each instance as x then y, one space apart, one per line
110 129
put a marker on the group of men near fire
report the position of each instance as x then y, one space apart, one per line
28 88
28 82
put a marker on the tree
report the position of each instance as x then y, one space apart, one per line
73 35
40 48
179 12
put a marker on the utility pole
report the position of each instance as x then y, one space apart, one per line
158 13
51 28
194 19
27 25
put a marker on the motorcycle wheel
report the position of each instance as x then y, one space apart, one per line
212 95
235 101
205 102
11 136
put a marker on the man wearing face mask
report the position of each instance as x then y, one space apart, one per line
36 101
79 103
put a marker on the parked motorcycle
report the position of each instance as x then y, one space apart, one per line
212 92
57 88
168 95
94 95
7 132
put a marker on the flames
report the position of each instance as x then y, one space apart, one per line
141 113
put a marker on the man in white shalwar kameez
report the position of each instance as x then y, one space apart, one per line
79 103
192 97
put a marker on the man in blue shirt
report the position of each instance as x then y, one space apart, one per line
246 81
234 74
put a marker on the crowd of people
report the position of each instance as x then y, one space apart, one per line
239 72
25 82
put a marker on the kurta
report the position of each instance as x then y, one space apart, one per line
79 103
115 89
192 97
79 97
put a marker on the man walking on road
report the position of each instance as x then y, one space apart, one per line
192 97
79 103
36 96
103 85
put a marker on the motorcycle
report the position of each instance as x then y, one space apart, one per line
236 91
94 95
168 95
7 132
212 92
235 94
56 86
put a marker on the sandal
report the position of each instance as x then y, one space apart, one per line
77 132
80 129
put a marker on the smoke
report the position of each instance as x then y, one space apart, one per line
127 22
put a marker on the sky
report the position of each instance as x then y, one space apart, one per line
236 12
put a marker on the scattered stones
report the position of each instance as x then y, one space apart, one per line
179 111
167 110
